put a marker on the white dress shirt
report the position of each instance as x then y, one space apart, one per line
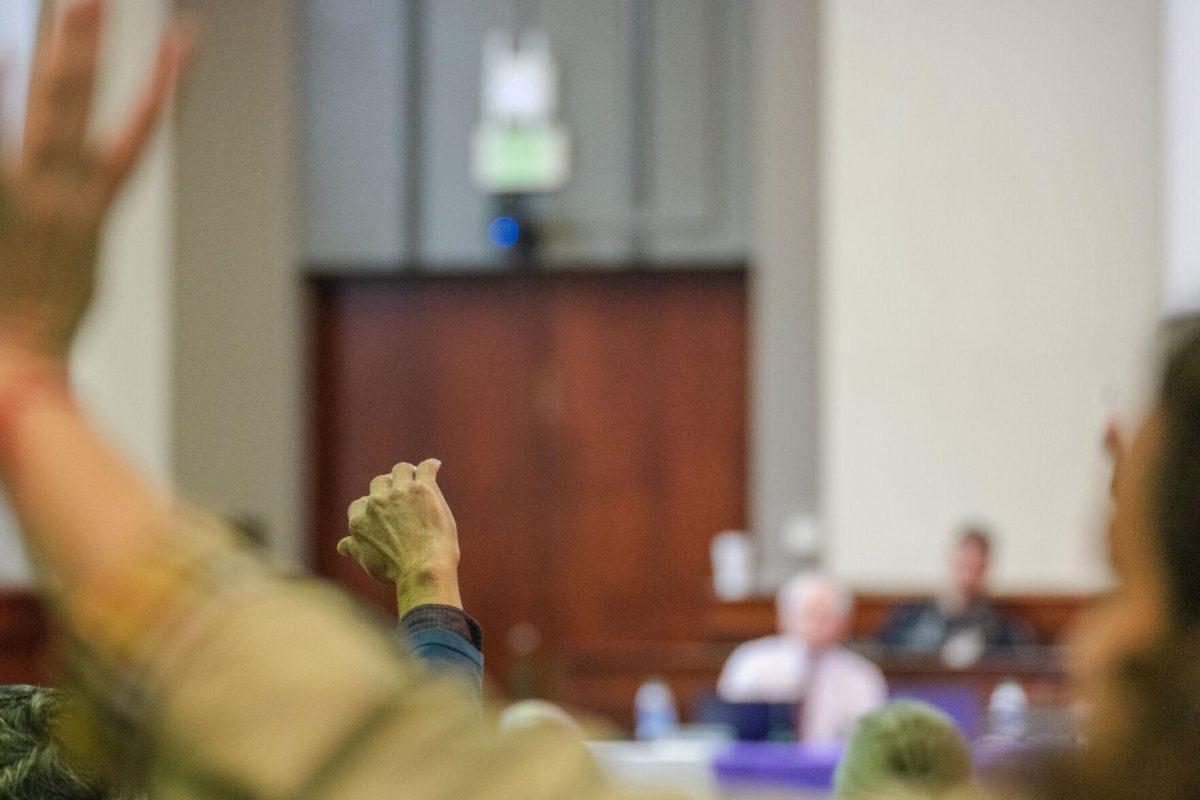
836 688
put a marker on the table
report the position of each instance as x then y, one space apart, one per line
720 770
778 765
723 770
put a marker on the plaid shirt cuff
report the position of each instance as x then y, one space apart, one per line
440 617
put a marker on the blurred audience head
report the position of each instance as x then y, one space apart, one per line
1153 530
815 609
525 714
32 764
1134 655
970 563
906 749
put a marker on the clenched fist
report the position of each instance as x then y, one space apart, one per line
403 533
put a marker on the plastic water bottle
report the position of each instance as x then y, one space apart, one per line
732 565
654 707
1007 711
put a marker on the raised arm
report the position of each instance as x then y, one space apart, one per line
210 675
83 511
402 533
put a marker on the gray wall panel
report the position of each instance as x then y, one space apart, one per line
589 220
354 102
454 213
654 95
700 93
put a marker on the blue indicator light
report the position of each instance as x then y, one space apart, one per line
504 231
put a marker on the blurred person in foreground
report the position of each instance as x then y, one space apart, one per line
806 663
33 764
197 672
1136 656
907 749
962 624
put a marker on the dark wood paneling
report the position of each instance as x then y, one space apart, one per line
592 428
24 638
650 449
411 372
603 678
1049 616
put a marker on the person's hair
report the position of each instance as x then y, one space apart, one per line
1151 750
1152 753
1177 506
976 535
906 749
796 592
32 764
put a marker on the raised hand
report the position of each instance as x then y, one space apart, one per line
55 194
403 533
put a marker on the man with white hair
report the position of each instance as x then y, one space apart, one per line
806 663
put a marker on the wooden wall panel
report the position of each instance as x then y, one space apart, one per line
592 429
652 452
1048 616
407 373
24 638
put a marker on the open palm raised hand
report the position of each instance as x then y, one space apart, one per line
56 192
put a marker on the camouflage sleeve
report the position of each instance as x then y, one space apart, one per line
243 684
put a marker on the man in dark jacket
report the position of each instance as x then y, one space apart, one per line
963 623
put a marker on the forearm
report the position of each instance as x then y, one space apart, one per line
430 587
85 513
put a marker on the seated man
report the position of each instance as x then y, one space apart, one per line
806 663
963 623
907 750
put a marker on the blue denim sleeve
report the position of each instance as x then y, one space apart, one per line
448 641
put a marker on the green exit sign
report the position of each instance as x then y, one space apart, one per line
512 159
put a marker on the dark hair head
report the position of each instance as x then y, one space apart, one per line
1178 502
31 762
976 535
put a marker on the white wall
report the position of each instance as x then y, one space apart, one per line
354 188
121 364
990 275
1181 156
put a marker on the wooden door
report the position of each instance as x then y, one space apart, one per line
592 429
